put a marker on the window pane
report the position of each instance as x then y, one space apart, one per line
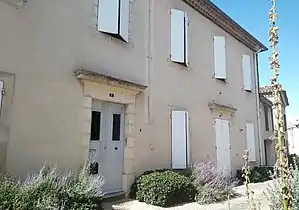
285 122
116 127
266 117
95 126
272 120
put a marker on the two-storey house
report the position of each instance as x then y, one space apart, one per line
268 153
130 85
266 92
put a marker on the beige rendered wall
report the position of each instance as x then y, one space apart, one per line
43 43
192 88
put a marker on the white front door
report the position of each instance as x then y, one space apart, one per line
107 143
223 146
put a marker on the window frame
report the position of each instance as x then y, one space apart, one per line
266 113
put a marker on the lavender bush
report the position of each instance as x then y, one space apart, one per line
49 190
212 185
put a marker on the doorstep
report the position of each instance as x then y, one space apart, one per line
114 196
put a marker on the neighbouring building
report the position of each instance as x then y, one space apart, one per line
266 91
267 132
131 85
293 135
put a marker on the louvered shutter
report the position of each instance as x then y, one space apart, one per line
247 77
179 36
250 139
219 57
179 144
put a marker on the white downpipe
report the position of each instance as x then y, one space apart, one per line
261 153
149 64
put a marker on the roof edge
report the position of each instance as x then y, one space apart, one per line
264 100
210 11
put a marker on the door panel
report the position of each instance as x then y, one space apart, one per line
223 145
113 156
106 144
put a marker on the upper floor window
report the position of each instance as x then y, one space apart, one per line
179 37
285 126
113 18
247 77
266 111
272 120
219 57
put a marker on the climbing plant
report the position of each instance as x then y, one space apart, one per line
281 165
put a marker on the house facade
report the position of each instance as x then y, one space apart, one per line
293 135
267 131
266 92
129 85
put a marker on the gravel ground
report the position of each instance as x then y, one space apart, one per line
239 203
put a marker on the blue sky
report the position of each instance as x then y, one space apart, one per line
253 16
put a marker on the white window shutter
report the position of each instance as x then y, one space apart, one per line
108 16
1 93
223 145
186 40
247 77
124 19
219 57
250 139
179 145
177 36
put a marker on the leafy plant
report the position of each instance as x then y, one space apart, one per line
282 161
185 172
261 174
164 188
211 185
293 160
49 190
274 195
9 189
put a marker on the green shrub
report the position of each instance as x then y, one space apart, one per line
211 184
185 172
260 174
9 189
293 160
164 188
274 195
51 191
257 174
